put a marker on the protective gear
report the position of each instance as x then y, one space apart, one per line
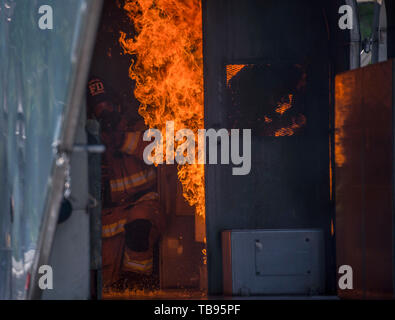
109 120
97 93
101 106
138 262
131 221
137 235
124 251
128 174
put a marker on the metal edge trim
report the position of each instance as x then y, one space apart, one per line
54 196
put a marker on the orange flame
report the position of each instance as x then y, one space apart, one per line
342 113
297 123
284 106
232 70
168 70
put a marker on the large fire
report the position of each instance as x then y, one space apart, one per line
168 70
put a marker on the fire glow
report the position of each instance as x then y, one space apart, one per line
168 71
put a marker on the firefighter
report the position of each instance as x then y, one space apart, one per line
131 218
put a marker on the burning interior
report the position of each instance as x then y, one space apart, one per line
148 61
313 95
149 58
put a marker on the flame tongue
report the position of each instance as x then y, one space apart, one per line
168 71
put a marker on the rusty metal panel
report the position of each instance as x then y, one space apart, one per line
363 175
180 266
181 257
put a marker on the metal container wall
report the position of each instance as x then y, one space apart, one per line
289 183
364 179
270 262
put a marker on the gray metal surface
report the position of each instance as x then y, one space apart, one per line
37 73
70 256
70 260
94 208
87 21
355 37
276 262
382 33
